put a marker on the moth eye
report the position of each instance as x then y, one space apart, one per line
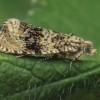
88 49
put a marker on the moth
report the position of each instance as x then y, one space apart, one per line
18 37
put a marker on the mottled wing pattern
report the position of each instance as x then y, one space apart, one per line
18 37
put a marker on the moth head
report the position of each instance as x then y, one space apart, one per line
88 48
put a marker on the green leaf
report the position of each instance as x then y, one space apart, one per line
28 78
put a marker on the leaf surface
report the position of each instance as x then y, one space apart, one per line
29 78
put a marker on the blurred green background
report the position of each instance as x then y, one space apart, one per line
81 17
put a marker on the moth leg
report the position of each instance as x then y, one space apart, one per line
22 55
46 58
19 56
52 56
75 57
61 54
72 62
